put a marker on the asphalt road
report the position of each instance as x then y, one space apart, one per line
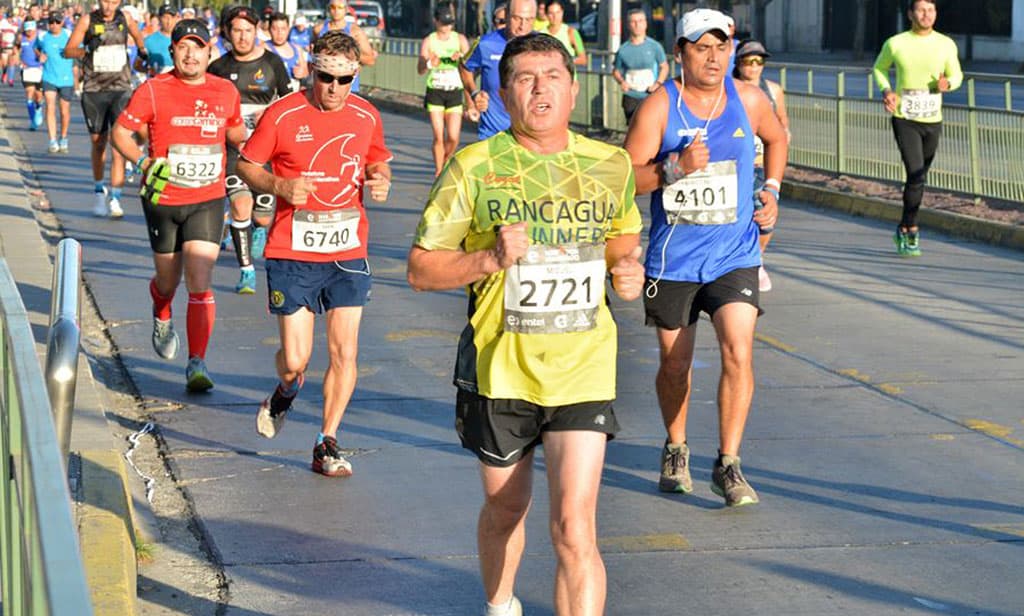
886 437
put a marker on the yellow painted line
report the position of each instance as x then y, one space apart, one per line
889 388
775 343
988 427
644 543
402 335
993 429
853 373
1009 529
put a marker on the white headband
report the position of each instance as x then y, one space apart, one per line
335 65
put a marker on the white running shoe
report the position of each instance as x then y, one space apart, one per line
115 208
100 208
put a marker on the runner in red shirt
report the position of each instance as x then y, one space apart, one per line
325 145
188 116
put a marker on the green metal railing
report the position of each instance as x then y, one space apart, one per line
981 153
42 571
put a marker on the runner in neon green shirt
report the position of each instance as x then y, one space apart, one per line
531 222
439 59
926 66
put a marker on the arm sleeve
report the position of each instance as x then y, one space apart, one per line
140 109
881 68
953 72
448 215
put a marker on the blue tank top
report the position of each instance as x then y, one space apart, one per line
706 252
289 63
28 52
324 29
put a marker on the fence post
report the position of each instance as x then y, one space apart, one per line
973 141
1008 94
810 81
782 78
841 122
62 340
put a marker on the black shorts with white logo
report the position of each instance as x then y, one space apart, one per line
679 304
170 226
449 100
500 431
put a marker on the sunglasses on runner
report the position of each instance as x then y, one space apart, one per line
752 61
327 78
499 22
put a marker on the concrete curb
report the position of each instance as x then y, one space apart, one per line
103 509
958 225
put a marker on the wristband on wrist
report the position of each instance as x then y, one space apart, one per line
140 160
473 94
773 183
771 191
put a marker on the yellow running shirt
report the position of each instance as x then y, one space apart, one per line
919 60
540 331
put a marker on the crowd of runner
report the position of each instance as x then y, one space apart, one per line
226 120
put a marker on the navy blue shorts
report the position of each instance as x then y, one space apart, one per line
317 286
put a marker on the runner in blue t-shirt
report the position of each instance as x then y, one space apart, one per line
58 79
158 44
640 64
483 58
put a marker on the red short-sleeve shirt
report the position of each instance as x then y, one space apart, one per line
188 125
332 148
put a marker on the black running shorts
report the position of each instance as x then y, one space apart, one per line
170 226
501 432
679 304
102 108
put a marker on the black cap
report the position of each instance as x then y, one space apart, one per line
56 17
166 9
190 28
752 48
244 12
444 16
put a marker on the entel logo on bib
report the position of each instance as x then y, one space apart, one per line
336 188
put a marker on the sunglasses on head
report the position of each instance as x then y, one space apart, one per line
499 22
327 78
752 61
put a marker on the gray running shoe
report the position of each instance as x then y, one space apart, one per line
196 377
675 469
728 482
273 411
165 339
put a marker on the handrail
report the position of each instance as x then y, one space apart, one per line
42 571
63 338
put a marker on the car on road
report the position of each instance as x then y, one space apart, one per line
370 17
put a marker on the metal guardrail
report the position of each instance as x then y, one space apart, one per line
42 571
63 338
834 130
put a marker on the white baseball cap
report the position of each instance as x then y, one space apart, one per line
300 20
698 22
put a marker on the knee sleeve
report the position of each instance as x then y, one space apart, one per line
236 187
264 204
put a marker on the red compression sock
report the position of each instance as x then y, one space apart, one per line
202 311
161 304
